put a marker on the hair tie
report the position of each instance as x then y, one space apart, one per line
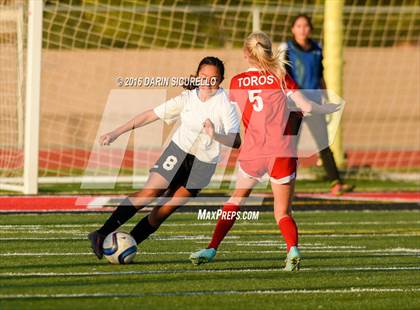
262 45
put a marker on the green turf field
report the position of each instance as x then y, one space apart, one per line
365 260
302 186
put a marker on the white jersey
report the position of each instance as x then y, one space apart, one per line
192 112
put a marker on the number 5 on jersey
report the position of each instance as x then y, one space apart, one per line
257 102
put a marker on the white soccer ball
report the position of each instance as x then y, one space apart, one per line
119 248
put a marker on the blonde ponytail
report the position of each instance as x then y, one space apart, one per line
260 50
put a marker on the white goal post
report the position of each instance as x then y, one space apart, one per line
33 87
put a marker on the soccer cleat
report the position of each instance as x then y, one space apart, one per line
338 189
203 256
292 260
96 241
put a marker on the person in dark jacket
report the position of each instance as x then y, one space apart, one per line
305 58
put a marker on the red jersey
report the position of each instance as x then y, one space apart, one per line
262 100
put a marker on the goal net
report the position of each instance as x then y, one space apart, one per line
12 57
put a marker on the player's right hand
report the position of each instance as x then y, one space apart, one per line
107 138
209 127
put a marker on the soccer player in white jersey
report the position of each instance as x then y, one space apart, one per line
207 119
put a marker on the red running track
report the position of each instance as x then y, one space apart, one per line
22 204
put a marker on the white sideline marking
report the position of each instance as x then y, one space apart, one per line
42 238
301 246
379 251
276 243
166 236
352 290
303 234
45 232
306 246
82 236
360 235
98 202
352 223
349 223
174 271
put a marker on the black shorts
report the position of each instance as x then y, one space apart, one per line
183 169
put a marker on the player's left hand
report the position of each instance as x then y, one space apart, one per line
209 128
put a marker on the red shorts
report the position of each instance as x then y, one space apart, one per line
281 170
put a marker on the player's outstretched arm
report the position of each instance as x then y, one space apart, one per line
308 106
139 120
232 140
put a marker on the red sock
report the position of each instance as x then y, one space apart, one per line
289 231
224 224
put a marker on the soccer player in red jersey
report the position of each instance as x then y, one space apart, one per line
268 145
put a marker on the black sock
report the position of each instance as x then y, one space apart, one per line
122 214
330 167
143 230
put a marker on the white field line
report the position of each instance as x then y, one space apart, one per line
98 202
42 238
253 223
378 251
350 223
229 239
360 235
301 245
172 236
305 245
46 232
78 233
342 247
174 271
83 238
353 290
